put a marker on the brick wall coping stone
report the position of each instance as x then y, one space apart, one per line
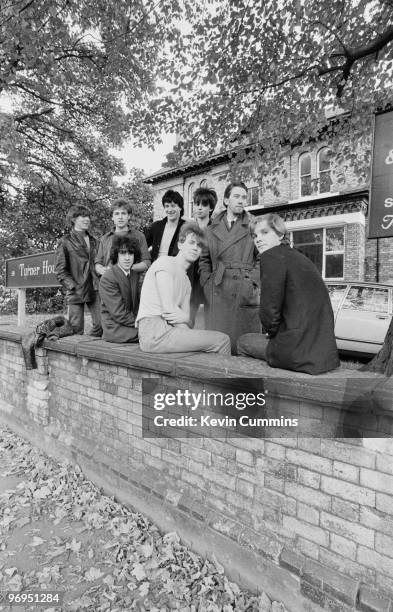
343 386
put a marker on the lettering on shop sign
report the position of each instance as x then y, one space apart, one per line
381 187
31 271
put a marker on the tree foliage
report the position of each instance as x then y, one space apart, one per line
266 73
75 79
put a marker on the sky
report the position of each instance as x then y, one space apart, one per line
133 157
145 158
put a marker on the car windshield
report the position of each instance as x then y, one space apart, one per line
336 293
373 299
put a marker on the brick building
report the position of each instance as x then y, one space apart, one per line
324 203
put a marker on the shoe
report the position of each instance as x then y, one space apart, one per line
95 334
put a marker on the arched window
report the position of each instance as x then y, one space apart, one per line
203 183
323 170
190 197
305 174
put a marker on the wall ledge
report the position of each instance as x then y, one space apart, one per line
339 387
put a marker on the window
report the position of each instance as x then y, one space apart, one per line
323 165
253 196
190 197
305 174
367 298
310 243
315 174
203 183
334 252
325 248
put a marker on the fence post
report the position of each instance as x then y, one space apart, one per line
21 307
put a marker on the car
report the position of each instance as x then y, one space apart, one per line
362 314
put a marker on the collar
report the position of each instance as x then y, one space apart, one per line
123 270
244 220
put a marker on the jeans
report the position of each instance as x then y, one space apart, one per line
76 316
252 345
157 336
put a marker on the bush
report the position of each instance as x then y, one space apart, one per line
39 300
8 301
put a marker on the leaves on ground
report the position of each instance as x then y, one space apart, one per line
61 532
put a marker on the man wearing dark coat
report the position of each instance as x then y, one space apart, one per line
119 292
228 272
75 271
163 235
295 309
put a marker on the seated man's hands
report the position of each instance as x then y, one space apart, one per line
176 316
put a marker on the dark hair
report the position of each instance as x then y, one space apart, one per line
126 243
77 211
122 203
175 197
228 189
191 228
203 195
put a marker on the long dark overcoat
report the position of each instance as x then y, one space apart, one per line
296 312
119 305
230 279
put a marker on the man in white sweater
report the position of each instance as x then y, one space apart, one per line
164 311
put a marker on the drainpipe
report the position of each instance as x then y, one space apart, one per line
377 263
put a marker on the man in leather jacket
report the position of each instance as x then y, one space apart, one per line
75 271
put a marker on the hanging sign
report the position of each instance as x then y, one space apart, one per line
381 187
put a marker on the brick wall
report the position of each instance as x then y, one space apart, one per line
354 261
316 511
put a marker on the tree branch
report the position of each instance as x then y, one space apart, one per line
355 54
46 111
34 93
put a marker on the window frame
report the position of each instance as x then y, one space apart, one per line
301 176
324 251
251 190
319 171
190 197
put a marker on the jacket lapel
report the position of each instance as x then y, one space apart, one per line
228 238
124 285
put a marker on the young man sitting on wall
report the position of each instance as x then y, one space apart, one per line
164 311
295 309
119 291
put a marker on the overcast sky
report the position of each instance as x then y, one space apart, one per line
144 158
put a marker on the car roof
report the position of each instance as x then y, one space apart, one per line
361 283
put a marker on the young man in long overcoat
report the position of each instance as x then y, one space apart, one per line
228 271
75 271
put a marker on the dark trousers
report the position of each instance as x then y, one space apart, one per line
253 345
76 316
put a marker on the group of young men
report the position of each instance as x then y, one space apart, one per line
134 294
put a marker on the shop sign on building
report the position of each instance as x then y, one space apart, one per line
381 188
31 271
